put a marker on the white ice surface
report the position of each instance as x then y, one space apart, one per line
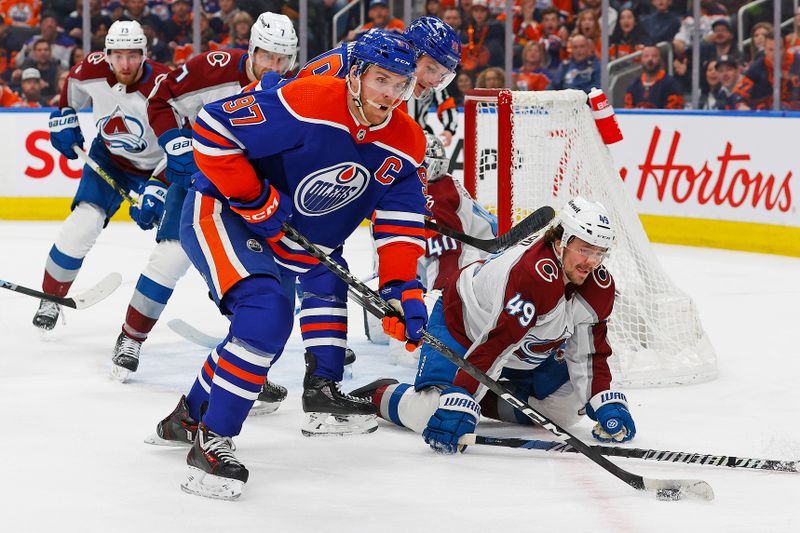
72 457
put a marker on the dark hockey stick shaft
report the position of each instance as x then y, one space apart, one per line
641 453
66 302
380 308
86 158
530 224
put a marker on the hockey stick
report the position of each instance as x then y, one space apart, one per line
104 175
671 489
83 300
530 224
638 453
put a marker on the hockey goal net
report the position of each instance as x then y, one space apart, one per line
525 149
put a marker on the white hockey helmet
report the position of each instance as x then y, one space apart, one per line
274 33
586 220
435 157
126 35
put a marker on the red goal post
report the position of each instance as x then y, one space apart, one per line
525 149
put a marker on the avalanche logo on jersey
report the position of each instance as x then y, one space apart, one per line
535 351
330 189
120 131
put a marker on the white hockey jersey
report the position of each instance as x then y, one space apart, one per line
514 310
452 206
119 111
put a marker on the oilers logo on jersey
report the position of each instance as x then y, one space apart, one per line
122 132
331 188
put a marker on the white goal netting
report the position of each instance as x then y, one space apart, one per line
557 153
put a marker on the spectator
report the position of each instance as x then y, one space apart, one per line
160 9
8 98
178 29
582 71
452 17
758 39
61 45
627 36
115 10
721 42
596 6
21 13
586 24
729 76
711 11
98 22
792 41
463 84
433 8
157 50
239 37
75 56
43 61
228 10
491 78
137 10
532 76
524 25
710 85
31 89
379 17
484 44
654 89
553 38
754 90
662 24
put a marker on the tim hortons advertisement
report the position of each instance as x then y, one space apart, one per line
728 168
713 167
681 165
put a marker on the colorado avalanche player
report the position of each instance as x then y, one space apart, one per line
116 84
172 108
438 51
327 153
452 206
533 316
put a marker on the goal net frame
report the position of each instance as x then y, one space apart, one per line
655 329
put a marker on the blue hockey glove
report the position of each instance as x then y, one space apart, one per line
65 131
407 298
151 204
456 416
177 143
266 213
614 421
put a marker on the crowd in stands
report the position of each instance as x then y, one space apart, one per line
556 44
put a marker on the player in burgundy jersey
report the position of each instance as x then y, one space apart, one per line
452 206
115 83
533 316
172 109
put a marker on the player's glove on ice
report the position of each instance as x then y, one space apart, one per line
266 213
177 143
65 131
151 204
456 416
407 299
614 421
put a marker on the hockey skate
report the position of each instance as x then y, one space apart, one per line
125 357
47 315
269 399
368 391
214 472
178 429
330 411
